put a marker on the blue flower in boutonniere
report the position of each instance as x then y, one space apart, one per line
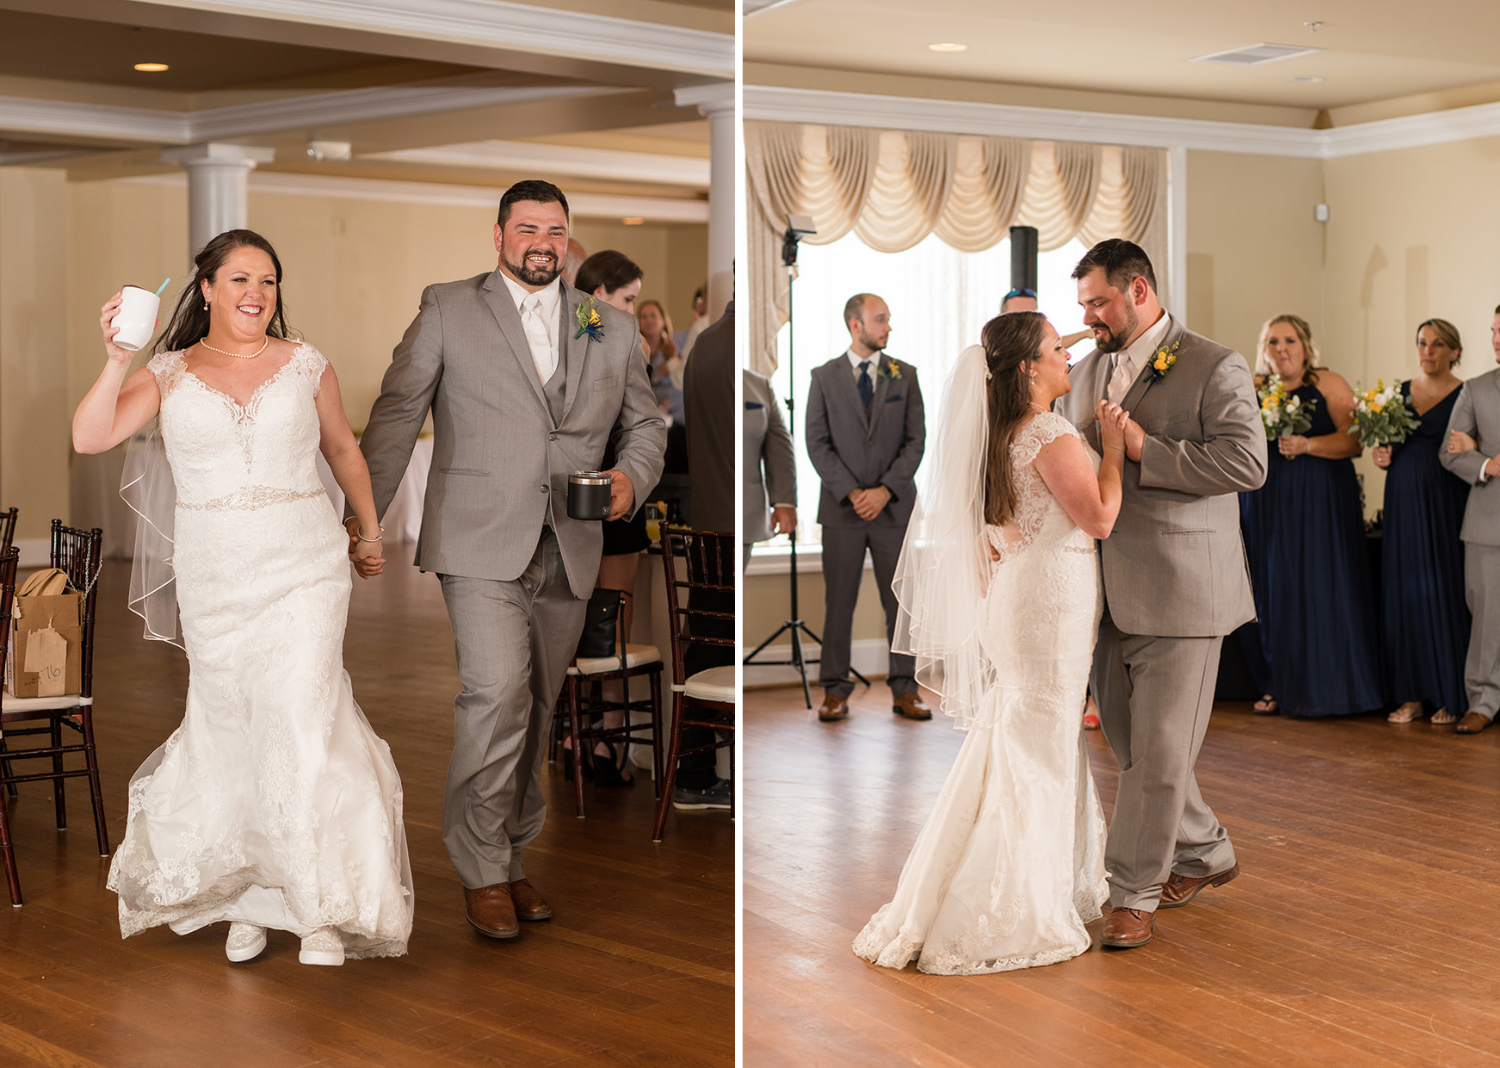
892 369
589 322
1162 362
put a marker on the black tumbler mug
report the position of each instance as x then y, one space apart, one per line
588 495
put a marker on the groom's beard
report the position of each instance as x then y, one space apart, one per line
533 274
1113 341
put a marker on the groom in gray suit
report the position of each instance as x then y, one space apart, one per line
528 381
1472 453
1174 576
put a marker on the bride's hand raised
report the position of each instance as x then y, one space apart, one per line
1112 422
106 325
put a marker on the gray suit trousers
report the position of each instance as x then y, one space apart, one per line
843 570
1154 698
1482 667
515 640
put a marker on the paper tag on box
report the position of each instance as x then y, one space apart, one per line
47 656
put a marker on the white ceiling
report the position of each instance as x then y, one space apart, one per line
1373 50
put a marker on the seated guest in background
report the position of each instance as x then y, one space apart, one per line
1473 454
685 337
1426 624
770 468
1312 649
613 278
708 394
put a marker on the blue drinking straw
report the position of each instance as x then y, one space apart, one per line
162 286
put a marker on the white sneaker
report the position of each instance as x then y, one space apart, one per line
323 946
246 942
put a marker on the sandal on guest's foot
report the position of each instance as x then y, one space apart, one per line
1412 711
323 946
246 942
1266 706
1442 717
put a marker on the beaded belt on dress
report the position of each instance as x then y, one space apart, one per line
251 498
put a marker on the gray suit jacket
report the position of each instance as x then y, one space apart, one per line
499 458
1477 414
852 448
1175 564
769 475
708 402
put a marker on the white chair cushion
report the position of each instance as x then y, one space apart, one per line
10 703
635 656
715 684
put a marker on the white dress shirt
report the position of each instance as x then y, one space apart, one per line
542 327
1130 360
855 360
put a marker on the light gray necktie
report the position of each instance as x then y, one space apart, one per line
1120 378
538 337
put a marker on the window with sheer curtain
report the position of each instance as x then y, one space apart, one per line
939 298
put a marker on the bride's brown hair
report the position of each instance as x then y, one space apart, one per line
1011 341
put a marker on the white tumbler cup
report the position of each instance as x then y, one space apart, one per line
136 318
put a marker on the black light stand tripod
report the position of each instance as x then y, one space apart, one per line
798 227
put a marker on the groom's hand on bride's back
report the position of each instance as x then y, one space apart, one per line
621 494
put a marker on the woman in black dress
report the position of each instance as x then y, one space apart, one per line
1312 648
1425 625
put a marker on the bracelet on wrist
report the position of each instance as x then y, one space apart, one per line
358 530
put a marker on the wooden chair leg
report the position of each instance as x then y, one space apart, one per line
8 857
573 715
656 739
57 783
91 759
670 778
6 772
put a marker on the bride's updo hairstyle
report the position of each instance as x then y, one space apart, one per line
189 323
1011 342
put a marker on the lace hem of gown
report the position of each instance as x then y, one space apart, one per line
900 951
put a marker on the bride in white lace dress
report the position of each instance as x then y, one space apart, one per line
274 804
1000 604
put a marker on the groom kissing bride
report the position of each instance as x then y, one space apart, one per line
1001 585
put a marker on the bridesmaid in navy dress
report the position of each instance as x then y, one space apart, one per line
1426 622
1312 650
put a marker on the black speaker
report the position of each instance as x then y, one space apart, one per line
1023 241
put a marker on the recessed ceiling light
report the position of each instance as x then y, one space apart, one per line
151 68
1306 79
634 221
947 46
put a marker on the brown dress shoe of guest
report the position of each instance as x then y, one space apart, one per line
910 706
491 911
1128 928
834 708
529 903
1472 723
1180 889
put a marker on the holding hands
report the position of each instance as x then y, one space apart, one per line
1114 428
364 552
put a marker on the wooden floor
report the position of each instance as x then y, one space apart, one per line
636 968
1362 932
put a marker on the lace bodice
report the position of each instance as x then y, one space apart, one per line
1038 515
275 435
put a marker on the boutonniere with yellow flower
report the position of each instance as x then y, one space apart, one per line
589 322
892 369
1162 362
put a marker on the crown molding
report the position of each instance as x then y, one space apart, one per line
500 24
777 104
560 159
585 205
117 123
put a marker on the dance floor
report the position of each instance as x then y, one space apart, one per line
637 967
1360 932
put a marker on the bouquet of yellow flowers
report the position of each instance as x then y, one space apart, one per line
1382 416
1282 414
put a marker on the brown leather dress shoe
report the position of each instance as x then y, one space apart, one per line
910 706
1128 928
529 904
491 912
1180 889
834 708
1472 723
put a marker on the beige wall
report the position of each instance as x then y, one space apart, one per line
35 412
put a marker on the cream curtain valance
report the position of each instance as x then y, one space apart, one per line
893 188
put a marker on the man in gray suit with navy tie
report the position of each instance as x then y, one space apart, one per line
865 435
528 380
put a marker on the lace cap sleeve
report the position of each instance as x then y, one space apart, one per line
1042 430
167 368
307 360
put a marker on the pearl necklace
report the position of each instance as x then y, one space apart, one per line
237 355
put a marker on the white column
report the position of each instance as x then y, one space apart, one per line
716 102
217 175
